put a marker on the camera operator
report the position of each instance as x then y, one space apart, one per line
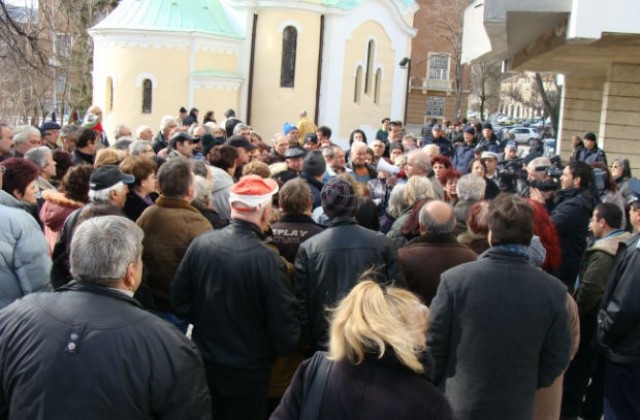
539 172
572 208
510 150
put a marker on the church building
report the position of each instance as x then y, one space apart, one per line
266 59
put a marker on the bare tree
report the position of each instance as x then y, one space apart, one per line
20 33
550 97
544 95
485 84
450 29
51 55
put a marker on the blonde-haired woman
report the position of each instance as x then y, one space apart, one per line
377 340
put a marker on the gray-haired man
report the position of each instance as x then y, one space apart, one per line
98 353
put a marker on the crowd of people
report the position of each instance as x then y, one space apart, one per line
207 272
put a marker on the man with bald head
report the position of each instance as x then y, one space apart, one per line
436 244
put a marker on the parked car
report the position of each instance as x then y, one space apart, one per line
523 134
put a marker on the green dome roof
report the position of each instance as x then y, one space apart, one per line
206 16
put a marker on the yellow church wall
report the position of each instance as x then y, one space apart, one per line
271 104
214 99
207 60
169 68
366 111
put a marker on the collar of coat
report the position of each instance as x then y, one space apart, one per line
342 220
312 180
297 218
610 244
435 239
59 198
248 226
498 253
79 286
174 203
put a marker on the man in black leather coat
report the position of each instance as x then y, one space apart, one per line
328 265
235 291
89 350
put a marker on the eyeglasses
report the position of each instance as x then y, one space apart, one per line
2 169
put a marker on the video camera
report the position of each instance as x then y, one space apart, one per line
554 171
509 172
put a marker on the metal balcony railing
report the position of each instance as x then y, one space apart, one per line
431 84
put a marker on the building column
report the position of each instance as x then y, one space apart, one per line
580 112
620 118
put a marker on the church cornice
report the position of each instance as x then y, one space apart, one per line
168 40
402 8
209 79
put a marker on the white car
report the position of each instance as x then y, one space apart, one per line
523 134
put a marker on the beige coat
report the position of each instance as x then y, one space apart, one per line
548 401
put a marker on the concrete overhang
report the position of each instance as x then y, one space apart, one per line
551 52
497 29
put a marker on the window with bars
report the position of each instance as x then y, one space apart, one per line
371 46
439 67
289 47
358 85
435 106
109 94
147 96
376 92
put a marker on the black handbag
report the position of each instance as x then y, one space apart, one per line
314 385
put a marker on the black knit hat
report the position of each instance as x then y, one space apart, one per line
338 198
314 164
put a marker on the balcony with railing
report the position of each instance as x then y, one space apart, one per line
425 84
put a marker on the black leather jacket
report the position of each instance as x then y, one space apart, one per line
328 266
88 351
619 316
571 216
235 291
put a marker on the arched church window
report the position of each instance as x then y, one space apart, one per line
369 74
358 85
109 94
147 96
289 47
377 86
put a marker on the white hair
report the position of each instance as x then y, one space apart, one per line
418 188
104 195
203 193
471 187
358 145
38 156
22 133
138 147
140 129
166 121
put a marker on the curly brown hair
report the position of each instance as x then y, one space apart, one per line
75 184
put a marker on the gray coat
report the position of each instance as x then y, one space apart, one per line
499 330
24 255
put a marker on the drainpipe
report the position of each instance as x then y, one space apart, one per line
192 66
251 67
319 71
